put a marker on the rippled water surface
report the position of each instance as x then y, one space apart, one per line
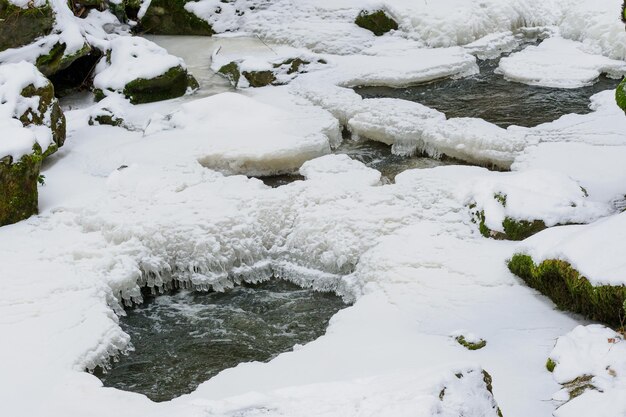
185 338
490 97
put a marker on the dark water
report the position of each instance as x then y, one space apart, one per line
185 338
490 97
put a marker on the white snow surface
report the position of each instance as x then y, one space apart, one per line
17 140
141 210
592 351
558 63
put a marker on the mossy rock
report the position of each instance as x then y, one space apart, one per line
106 118
550 365
169 17
469 345
620 95
569 290
259 78
174 83
377 22
19 27
56 60
231 72
47 103
18 193
513 229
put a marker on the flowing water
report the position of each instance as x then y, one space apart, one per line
182 339
491 97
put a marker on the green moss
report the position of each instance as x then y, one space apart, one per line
231 72
377 22
550 365
18 193
174 83
500 198
20 27
56 60
620 95
169 17
469 345
521 229
569 290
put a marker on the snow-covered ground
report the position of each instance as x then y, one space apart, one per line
156 202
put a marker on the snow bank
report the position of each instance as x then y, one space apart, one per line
558 63
596 250
18 140
596 355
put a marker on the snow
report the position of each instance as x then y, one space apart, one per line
558 63
592 351
162 201
18 140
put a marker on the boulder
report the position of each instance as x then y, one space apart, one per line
141 71
22 25
33 127
376 21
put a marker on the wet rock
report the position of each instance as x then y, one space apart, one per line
20 26
377 22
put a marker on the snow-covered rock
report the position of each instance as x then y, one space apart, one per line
340 168
142 71
590 362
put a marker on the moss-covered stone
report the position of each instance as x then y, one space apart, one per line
106 118
469 345
259 78
56 60
231 72
174 83
569 290
620 95
18 190
169 17
48 104
579 385
19 27
377 22
550 365
513 229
